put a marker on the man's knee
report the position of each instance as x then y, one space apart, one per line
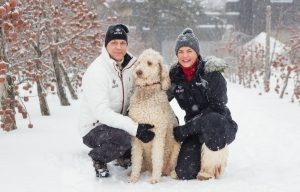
123 138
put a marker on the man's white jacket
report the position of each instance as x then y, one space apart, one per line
106 95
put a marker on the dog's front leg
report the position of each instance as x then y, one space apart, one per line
157 157
173 159
136 159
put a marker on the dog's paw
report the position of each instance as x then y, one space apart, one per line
132 180
202 176
154 180
129 173
174 175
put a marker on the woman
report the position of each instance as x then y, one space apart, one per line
200 90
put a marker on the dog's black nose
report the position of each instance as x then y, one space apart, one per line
139 72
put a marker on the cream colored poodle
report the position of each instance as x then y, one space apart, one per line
149 104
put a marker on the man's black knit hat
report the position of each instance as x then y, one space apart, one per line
187 39
116 31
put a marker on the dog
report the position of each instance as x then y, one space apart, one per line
149 104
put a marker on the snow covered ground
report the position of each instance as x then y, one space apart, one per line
51 156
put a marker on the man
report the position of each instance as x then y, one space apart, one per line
107 88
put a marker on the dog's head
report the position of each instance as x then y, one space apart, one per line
149 70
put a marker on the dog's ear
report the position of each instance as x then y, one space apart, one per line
164 77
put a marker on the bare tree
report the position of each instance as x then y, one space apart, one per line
47 44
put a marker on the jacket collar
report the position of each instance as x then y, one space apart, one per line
206 65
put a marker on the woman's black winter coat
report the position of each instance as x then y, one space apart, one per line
206 92
207 120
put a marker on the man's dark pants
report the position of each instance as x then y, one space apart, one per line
108 143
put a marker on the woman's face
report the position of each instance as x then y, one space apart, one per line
186 56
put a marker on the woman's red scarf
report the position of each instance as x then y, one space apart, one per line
189 72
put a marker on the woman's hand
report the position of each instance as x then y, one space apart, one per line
180 133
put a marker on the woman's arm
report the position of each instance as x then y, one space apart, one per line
170 92
216 93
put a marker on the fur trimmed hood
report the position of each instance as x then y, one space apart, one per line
212 63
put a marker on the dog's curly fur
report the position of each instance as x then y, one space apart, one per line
213 163
149 104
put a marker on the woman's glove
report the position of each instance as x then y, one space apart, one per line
144 134
180 133
192 127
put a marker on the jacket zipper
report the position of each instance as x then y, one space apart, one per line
121 72
121 78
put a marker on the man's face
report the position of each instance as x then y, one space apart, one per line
117 49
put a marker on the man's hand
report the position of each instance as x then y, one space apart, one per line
144 134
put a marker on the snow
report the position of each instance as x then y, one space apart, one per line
213 26
51 156
280 48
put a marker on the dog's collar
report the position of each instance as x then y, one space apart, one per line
147 85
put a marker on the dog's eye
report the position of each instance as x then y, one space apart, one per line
149 63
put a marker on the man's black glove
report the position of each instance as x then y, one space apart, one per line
180 133
144 134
